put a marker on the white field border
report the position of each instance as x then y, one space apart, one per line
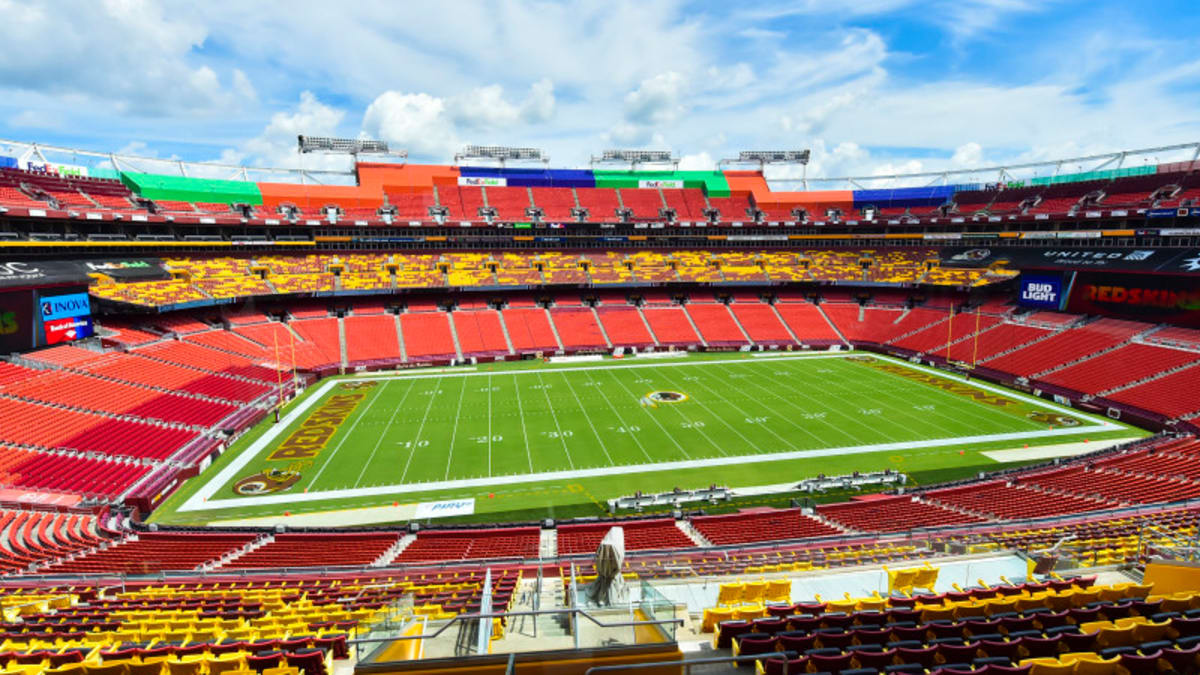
200 501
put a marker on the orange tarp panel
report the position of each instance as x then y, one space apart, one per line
346 196
405 177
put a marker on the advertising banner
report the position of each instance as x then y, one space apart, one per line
68 170
483 181
16 273
1153 299
67 330
1160 260
127 269
1043 291
664 184
64 306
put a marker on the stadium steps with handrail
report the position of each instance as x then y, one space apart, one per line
236 553
548 544
833 325
740 327
400 339
504 331
816 515
692 323
600 325
341 323
649 330
785 325
454 336
692 533
554 329
390 555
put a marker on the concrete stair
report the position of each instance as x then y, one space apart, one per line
389 556
649 330
504 330
548 545
739 325
694 326
342 341
596 315
400 339
554 329
692 533
454 336
234 555
783 323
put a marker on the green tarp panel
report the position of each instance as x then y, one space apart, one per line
1108 174
183 189
712 182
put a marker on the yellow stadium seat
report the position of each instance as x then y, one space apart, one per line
730 594
779 590
1046 666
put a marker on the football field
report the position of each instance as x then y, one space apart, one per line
515 437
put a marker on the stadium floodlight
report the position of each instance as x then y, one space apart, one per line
501 154
771 157
636 157
346 146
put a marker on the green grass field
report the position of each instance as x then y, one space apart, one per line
530 440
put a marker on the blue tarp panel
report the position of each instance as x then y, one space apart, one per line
898 197
572 178
8 162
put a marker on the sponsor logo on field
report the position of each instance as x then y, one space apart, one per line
315 431
1053 418
357 385
266 482
862 358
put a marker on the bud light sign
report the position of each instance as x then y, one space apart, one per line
1042 291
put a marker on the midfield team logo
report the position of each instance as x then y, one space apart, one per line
652 399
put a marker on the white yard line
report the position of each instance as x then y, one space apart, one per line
521 416
413 450
621 420
383 434
489 443
454 428
554 416
200 500
588 419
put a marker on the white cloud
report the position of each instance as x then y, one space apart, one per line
276 145
539 105
129 54
417 122
968 155
700 161
657 100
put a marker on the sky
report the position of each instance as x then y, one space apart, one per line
871 86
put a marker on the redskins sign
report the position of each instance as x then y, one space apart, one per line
266 482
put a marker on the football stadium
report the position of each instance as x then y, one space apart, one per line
494 413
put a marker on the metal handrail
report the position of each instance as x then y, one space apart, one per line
688 663
573 611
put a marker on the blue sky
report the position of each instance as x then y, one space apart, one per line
879 87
